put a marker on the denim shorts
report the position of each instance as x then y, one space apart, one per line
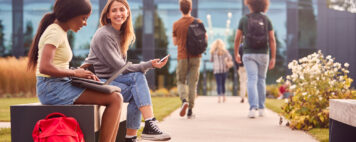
57 91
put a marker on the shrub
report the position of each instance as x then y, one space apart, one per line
314 80
160 92
15 79
272 91
174 91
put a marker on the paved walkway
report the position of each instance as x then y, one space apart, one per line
228 122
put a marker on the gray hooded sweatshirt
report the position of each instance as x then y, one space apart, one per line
106 56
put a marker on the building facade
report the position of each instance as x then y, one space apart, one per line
301 26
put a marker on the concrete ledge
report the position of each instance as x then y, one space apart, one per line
25 116
343 110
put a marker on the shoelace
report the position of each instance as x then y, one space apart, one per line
154 126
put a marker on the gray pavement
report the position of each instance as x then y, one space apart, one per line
228 122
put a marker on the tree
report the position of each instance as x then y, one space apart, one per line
161 44
28 37
2 36
76 60
280 65
307 25
71 38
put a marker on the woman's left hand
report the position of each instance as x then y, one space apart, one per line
157 64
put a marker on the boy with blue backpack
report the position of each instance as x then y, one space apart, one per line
259 40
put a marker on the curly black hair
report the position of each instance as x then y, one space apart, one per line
258 5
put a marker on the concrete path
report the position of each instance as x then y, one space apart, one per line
228 122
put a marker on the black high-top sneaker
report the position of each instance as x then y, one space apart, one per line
153 133
133 139
190 114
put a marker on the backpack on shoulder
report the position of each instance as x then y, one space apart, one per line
56 127
257 31
196 43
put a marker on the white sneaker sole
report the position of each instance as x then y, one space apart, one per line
162 137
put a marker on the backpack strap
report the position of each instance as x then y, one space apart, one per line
55 114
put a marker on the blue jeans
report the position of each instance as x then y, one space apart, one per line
135 91
256 67
220 82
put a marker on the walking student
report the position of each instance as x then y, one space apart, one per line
188 65
219 56
259 41
242 76
50 55
108 54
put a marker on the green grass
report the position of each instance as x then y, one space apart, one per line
162 107
321 134
275 105
5 135
5 104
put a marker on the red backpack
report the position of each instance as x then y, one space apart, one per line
56 127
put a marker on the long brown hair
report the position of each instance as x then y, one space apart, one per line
127 33
63 11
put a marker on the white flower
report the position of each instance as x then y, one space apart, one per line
332 83
279 80
286 100
305 93
346 64
293 87
328 57
302 77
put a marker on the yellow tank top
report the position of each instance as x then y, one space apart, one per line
57 37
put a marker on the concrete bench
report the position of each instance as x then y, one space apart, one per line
25 116
342 127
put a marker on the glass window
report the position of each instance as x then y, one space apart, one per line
5 26
80 41
167 12
134 53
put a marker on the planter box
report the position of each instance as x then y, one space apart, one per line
342 127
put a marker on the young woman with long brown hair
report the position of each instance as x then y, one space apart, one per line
50 55
108 53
